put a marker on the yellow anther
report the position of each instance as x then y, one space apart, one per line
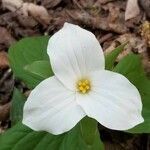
86 81
87 87
83 86
80 83
83 91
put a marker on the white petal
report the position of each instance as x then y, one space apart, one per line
114 101
73 53
52 108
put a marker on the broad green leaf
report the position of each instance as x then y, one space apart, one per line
131 67
88 129
39 69
25 52
111 57
129 64
21 137
17 104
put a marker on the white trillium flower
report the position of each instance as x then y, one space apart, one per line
81 87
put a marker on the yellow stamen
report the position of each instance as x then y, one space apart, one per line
83 91
83 86
86 81
87 87
80 83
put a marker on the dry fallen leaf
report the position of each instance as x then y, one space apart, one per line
135 44
146 62
145 32
96 22
145 4
5 38
12 5
39 13
50 3
4 111
3 60
132 9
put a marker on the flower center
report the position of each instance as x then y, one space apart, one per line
83 86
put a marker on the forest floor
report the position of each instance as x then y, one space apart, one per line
105 18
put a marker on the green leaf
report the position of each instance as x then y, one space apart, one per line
39 69
144 87
21 137
17 104
25 52
111 57
131 67
88 129
129 64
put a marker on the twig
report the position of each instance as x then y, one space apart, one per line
6 75
105 37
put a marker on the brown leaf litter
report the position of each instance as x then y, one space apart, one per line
132 9
4 60
39 13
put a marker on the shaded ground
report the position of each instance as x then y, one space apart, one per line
105 18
